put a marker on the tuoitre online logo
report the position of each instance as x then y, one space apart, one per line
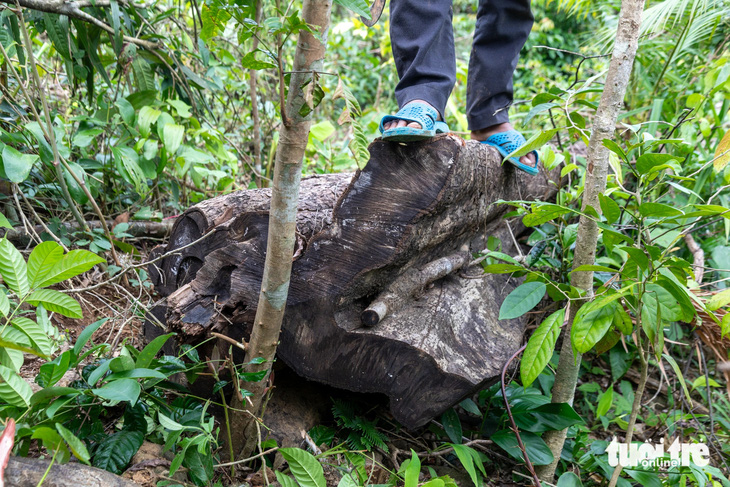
649 454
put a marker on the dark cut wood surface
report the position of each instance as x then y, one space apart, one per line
412 204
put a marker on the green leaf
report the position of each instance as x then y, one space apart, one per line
44 256
4 222
84 138
144 77
13 268
168 423
533 143
543 213
147 116
556 416
646 162
306 469
114 452
38 337
719 300
287 481
86 334
50 392
17 166
659 210
172 136
137 374
13 389
150 351
452 425
537 450
249 61
569 479
701 381
57 302
127 390
360 7
214 20
722 153
540 347
594 268
413 471
676 370
521 300
72 264
466 457
591 323
605 402
637 256
4 302
609 208
502 268
78 448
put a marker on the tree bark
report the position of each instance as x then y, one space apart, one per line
282 217
617 79
396 232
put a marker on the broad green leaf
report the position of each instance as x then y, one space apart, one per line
569 479
521 300
78 448
114 452
725 325
502 268
84 138
452 425
719 300
413 471
658 306
17 166
86 334
4 222
622 321
658 210
72 264
701 381
51 372
287 481
147 116
540 347
591 323
463 453
11 356
605 402
13 389
609 208
594 268
99 372
537 450
57 302
127 163
722 153
123 363
648 162
36 335
13 268
137 374
168 423
172 137
556 416
360 7
127 390
44 256
543 213
534 142
4 302
50 392
147 355
249 61
16 345
214 19
305 468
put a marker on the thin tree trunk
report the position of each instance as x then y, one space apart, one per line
619 72
282 221
253 88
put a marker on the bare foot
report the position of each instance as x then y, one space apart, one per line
402 123
484 134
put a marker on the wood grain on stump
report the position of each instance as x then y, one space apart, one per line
414 211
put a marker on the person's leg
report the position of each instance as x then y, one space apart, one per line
422 38
502 28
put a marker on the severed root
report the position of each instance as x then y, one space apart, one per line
409 283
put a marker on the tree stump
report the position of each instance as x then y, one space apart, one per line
378 301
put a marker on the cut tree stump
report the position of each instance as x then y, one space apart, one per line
378 301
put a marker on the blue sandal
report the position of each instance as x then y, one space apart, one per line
420 113
508 142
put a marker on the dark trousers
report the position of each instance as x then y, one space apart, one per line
423 47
